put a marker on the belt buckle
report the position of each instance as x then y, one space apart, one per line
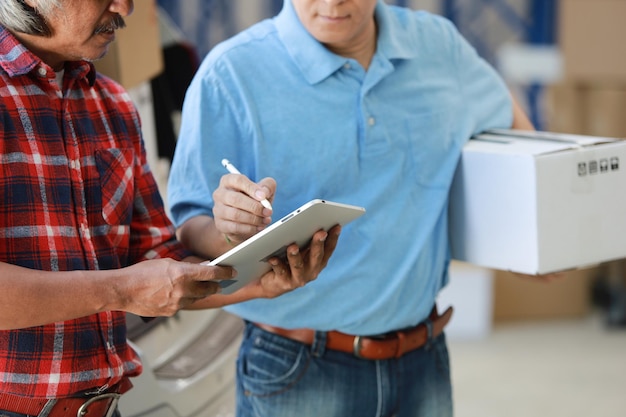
356 347
114 397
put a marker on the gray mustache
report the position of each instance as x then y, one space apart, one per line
116 23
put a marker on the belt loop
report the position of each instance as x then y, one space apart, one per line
318 348
47 408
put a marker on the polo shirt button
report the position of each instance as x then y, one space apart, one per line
371 121
346 65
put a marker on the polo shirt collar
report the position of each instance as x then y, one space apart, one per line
392 43
318 63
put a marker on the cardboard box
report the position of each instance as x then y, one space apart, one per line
605 110
519 299
595 109
592 36
538 202
136 55
565 109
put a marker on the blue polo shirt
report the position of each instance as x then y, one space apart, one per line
277 103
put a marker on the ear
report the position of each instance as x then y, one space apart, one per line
30 4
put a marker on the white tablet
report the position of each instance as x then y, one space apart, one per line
250 257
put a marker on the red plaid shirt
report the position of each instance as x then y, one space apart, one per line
76 194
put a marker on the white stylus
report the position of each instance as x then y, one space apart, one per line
231 168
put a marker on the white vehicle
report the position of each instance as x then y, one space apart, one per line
189 365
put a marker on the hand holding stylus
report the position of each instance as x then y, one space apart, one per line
233 170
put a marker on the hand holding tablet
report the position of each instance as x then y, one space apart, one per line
250 257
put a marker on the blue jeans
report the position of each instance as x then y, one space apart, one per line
279 377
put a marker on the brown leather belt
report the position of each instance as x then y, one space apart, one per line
391 345
99 405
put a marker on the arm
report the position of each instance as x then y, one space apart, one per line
238 215
520 120
151 288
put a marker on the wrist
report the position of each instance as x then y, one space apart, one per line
229 241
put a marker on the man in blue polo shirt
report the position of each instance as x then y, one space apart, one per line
358 102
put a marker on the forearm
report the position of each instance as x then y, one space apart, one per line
200 235
520 119
31 298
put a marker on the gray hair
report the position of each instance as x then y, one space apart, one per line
19 16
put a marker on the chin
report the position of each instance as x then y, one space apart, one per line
97 55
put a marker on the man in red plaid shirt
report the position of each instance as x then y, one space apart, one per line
84 236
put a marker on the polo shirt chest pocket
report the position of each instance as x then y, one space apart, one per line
115 168
432 148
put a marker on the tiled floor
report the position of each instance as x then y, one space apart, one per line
570 368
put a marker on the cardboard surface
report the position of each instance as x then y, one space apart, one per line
518 298
592 35
589 109
606 110
136 55
538 205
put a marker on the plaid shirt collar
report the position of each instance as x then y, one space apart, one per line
17 60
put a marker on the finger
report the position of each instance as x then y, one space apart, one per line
282 271
236 206
210 273
297 265
206 281
241 229
330 242
203 289
294 257
188 301
236 222
238 214
248 194
322 247
268 184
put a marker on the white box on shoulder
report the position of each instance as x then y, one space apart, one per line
539 202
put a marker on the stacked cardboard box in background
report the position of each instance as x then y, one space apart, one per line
592 98
136 55
518 298
591 38
590 101
597 109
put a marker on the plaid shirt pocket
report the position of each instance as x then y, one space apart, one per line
115 167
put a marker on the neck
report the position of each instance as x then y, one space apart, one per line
363 49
